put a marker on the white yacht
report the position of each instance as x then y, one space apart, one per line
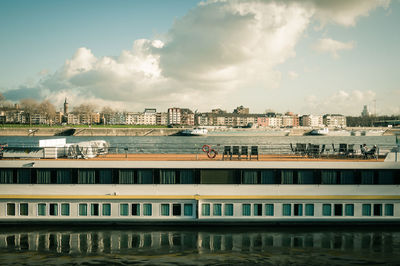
195 132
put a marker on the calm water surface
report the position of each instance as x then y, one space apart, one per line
199 246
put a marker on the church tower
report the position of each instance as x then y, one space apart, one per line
65 106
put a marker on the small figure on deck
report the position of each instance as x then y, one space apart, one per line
364 149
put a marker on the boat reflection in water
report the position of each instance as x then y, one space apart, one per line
197 242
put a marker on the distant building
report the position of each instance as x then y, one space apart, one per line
174 116
334 120
241 110
65 106
161 119
365 112
311 121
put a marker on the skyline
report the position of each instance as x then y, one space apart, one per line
300 56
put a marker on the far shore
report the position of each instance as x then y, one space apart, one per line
97 130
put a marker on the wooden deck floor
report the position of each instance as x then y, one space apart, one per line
203 157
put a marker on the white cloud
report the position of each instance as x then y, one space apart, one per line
293 75
332 46
217 48
341 102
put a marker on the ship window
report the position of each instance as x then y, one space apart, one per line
366 209
126 176
268 177
42 209
147 209
257 209
389 209
94 209
187 176
305 177
168 177
326 210
23 176
23 209
228 209
249 177
106 209
123 209
205 209
86 176
269 209
287 176
217 209
11 209
135 209
338 209
386 177
246 209
347 177
377 209
349 209
328 177
309 209
176 210
286 210
6 176
145 176
82 209
188 209
43 176
298 210
217 177
64 176
105 176
165 209
367 177
65 209
53 209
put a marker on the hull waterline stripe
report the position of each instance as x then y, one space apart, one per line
207 197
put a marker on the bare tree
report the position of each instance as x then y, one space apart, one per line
48 110
107 112
30 106
87 110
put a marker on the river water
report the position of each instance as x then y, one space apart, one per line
201 245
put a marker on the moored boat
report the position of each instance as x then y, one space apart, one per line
181 188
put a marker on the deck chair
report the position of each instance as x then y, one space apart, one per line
350 150
342 149
371 153
301 148
244 152
322 150
293 149
235 151
254 151
227 152
315 150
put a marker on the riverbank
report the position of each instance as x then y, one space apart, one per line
123 131
37 131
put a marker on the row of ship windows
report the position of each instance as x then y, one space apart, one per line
207 209
197 176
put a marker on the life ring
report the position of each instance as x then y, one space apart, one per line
206 148
212 153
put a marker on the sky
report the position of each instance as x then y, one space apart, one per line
303 56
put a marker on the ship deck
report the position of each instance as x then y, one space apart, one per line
203 157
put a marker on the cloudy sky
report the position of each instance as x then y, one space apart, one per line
305 56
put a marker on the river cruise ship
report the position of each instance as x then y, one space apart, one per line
194 189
